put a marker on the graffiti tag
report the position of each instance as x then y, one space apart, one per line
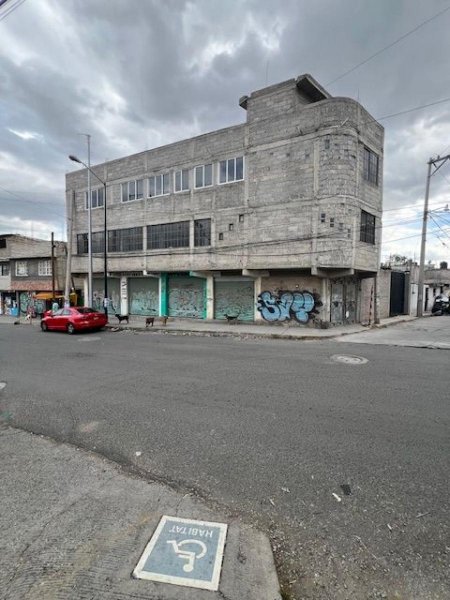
288 305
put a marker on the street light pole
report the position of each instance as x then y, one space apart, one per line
437 164
105 232
88 166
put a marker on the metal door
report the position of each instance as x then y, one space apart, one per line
397 300
187 296
234 298
143 296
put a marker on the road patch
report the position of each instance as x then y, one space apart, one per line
349 359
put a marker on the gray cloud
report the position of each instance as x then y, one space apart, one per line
140 74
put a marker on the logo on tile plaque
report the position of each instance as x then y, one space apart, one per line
184 552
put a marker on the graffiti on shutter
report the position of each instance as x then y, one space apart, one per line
234 298
187 296
98 286
143 294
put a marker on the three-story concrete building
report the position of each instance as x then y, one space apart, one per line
277 218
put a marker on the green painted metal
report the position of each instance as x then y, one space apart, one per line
234 298
143 296
187 296
164 294
113 293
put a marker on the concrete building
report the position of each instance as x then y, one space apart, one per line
26 273
277 218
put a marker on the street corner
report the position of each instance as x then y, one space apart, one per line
205 555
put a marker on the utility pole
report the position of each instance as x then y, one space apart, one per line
53 266
90 286
437 164
69 249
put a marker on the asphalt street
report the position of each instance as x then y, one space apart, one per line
269 430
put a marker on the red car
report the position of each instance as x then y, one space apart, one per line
73 319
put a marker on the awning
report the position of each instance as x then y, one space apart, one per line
47 295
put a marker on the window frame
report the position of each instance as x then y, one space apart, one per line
163 238
367 232
21 262
5 270
227 162
47 271
203 176
201 237
97 205
182 172
131 197
371 166
161 177
120 241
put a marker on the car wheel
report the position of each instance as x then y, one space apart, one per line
44 326
70 329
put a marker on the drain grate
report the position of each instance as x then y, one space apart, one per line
349 359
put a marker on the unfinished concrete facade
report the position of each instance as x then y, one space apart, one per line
225 222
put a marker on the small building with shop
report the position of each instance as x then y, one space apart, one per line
277 218
26 280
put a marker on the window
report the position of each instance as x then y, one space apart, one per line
45 267
132 190
331 221
322 217
97 198
241 218
98 244
158 185
125 240
21 268
370 166
2 243
4 269
202 232
367 228
327 143
220 236
231 170
181 180
203 176
168 235
231 227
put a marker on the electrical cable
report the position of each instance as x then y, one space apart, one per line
402 37
11 9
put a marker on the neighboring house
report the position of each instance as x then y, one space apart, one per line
26 272
277 218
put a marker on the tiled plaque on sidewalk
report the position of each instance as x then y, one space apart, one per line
184 552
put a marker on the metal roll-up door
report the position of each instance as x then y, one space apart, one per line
143 296
187 296
98 286
234 298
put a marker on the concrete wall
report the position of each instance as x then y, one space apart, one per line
302 159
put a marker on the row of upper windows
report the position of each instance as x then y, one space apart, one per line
162 236
227 171
44 268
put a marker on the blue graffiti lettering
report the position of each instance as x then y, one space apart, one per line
287 305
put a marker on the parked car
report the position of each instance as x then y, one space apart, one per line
73 319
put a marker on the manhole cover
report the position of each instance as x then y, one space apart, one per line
348 359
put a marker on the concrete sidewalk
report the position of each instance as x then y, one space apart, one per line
74 526
289 331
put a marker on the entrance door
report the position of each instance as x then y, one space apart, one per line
143 296
234 298
397 300
187 296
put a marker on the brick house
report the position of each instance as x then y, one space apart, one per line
26 271
276 218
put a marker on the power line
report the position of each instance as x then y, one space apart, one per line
409 110
11 9
402 37
31 202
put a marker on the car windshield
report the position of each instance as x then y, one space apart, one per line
84 310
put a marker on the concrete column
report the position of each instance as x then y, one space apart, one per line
163 295
123 295
85 290
325 309
210 297
258 290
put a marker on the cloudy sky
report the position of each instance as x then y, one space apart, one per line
137 74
